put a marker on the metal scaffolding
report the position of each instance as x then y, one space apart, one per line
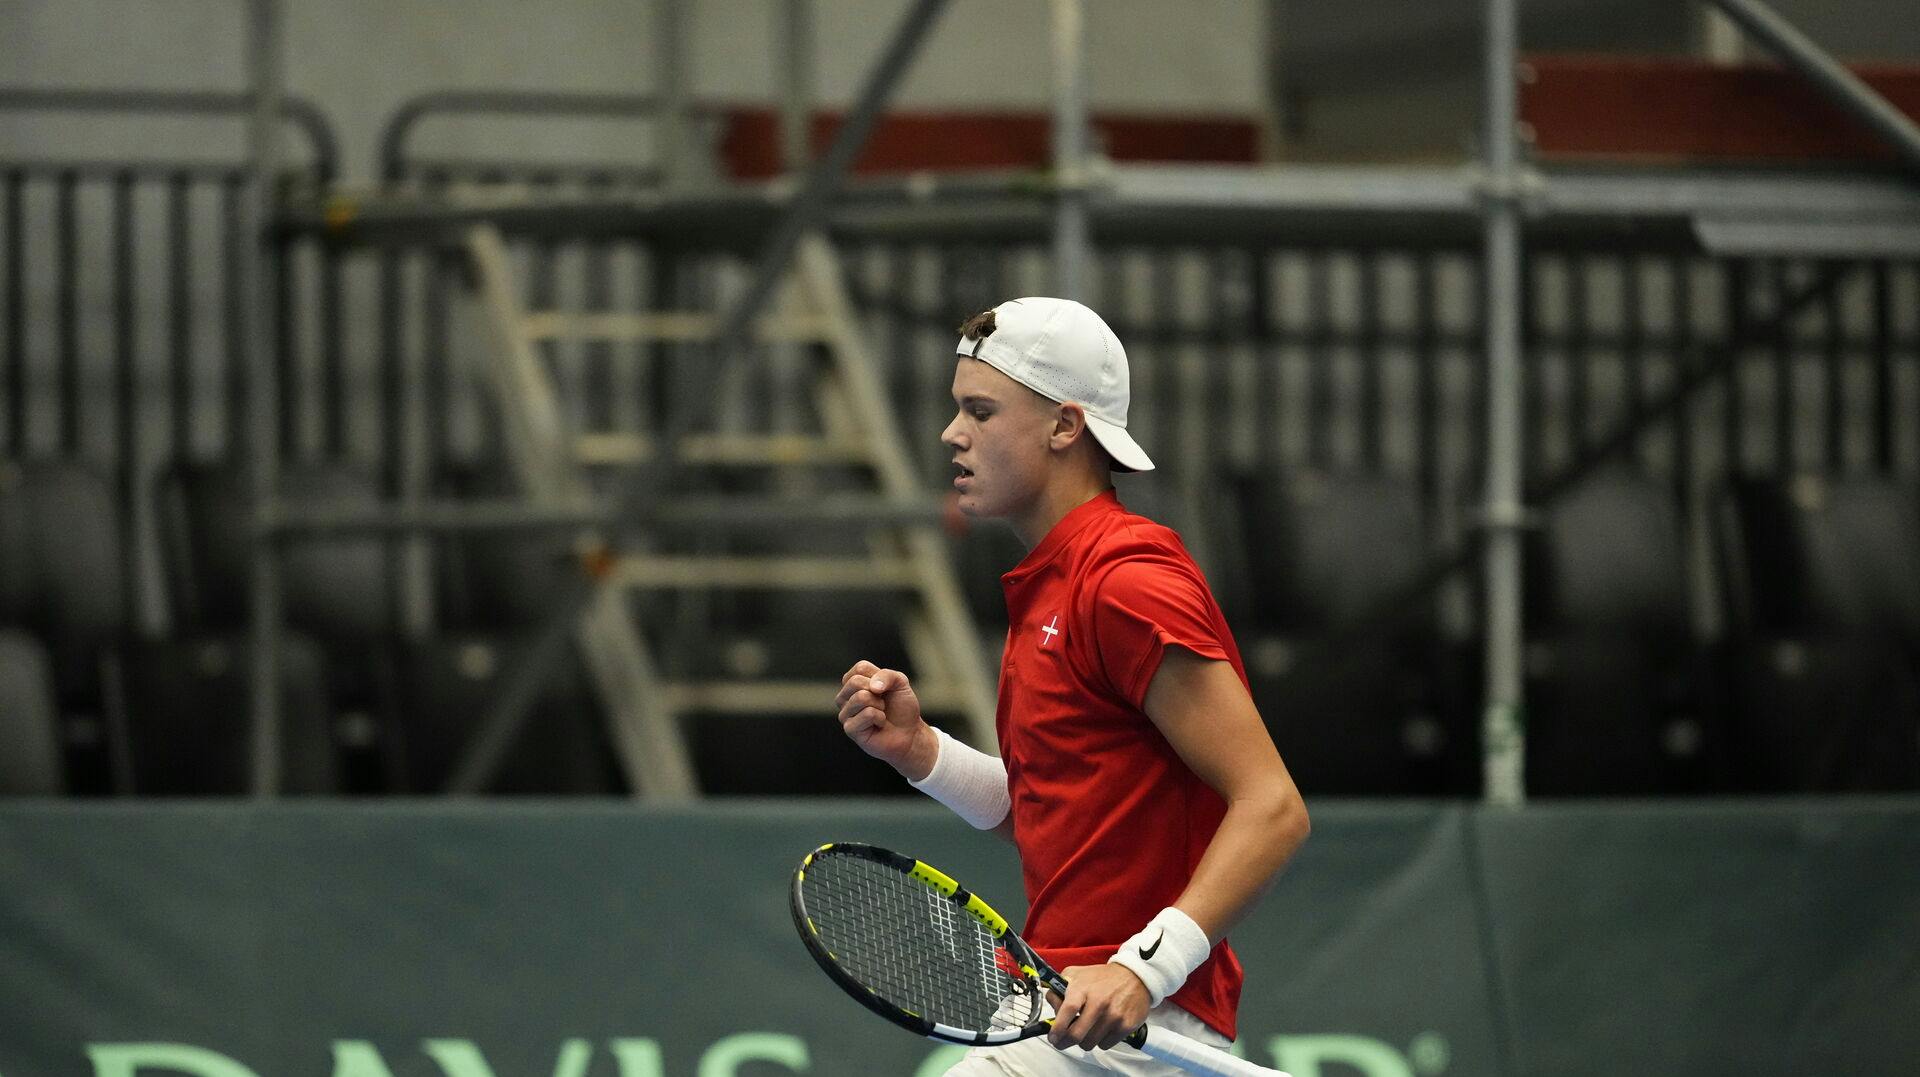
1489 205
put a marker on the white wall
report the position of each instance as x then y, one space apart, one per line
1384 79
359 59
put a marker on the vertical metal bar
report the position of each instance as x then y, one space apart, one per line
1680 357
1785 450
1163 377
598 354
669 56
392 340
441 383
1319 339
796 83
234 267
68 259
1070 148
1834 354
1577 353
543 294
899 332
1533 437
264 77
823 179
333 357
658 376
1427 384
180 314
436 311
1503 731
1916 302
1231 294
1735 287
1633 357
291 395
1279 91
1269 386
1372 396
16 316
126 385
410 596
1883 387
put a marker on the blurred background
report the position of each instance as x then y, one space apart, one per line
1715 420
493 398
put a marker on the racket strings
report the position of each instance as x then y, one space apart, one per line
912 946
956 930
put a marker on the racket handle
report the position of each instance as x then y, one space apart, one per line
1195 1057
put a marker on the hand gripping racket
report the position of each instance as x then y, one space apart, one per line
917 948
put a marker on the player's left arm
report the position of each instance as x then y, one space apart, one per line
1204 711
1200 705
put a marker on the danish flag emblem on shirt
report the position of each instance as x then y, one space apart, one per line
1051 629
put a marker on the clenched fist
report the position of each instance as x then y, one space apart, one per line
880 712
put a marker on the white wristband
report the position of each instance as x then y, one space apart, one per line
971 782
1164 953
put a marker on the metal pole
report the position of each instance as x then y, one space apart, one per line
1839 85
807 210
1069 149
1277 81
796 84
1503 730
669 55
265 70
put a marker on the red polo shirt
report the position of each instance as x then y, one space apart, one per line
1110 823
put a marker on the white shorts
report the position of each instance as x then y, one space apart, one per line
1038 1058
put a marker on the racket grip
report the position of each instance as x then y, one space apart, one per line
1195 1057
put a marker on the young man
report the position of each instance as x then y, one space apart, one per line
1148 803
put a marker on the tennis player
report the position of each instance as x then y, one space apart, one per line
1148 804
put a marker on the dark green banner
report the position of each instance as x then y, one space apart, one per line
571 940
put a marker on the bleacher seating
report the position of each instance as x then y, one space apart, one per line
1619 696
1309 555
188 707
1823 584
30 758
62 582
448 685
494 581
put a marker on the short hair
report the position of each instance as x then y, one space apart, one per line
978 327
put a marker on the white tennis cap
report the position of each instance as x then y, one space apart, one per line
1066 353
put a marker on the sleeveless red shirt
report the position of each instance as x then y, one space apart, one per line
1109 822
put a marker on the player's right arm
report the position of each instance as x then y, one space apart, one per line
880 712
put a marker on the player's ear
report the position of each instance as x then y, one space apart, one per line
1069 422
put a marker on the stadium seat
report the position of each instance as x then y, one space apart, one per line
1826 715
337 588
499 581
1823 588
449 684
62 577
30 757
801 755
188 702
1316 554
1811 554
1619 697
1609 714
61 566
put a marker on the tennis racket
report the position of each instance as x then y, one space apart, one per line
920 950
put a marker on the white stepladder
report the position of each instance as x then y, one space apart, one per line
906 552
